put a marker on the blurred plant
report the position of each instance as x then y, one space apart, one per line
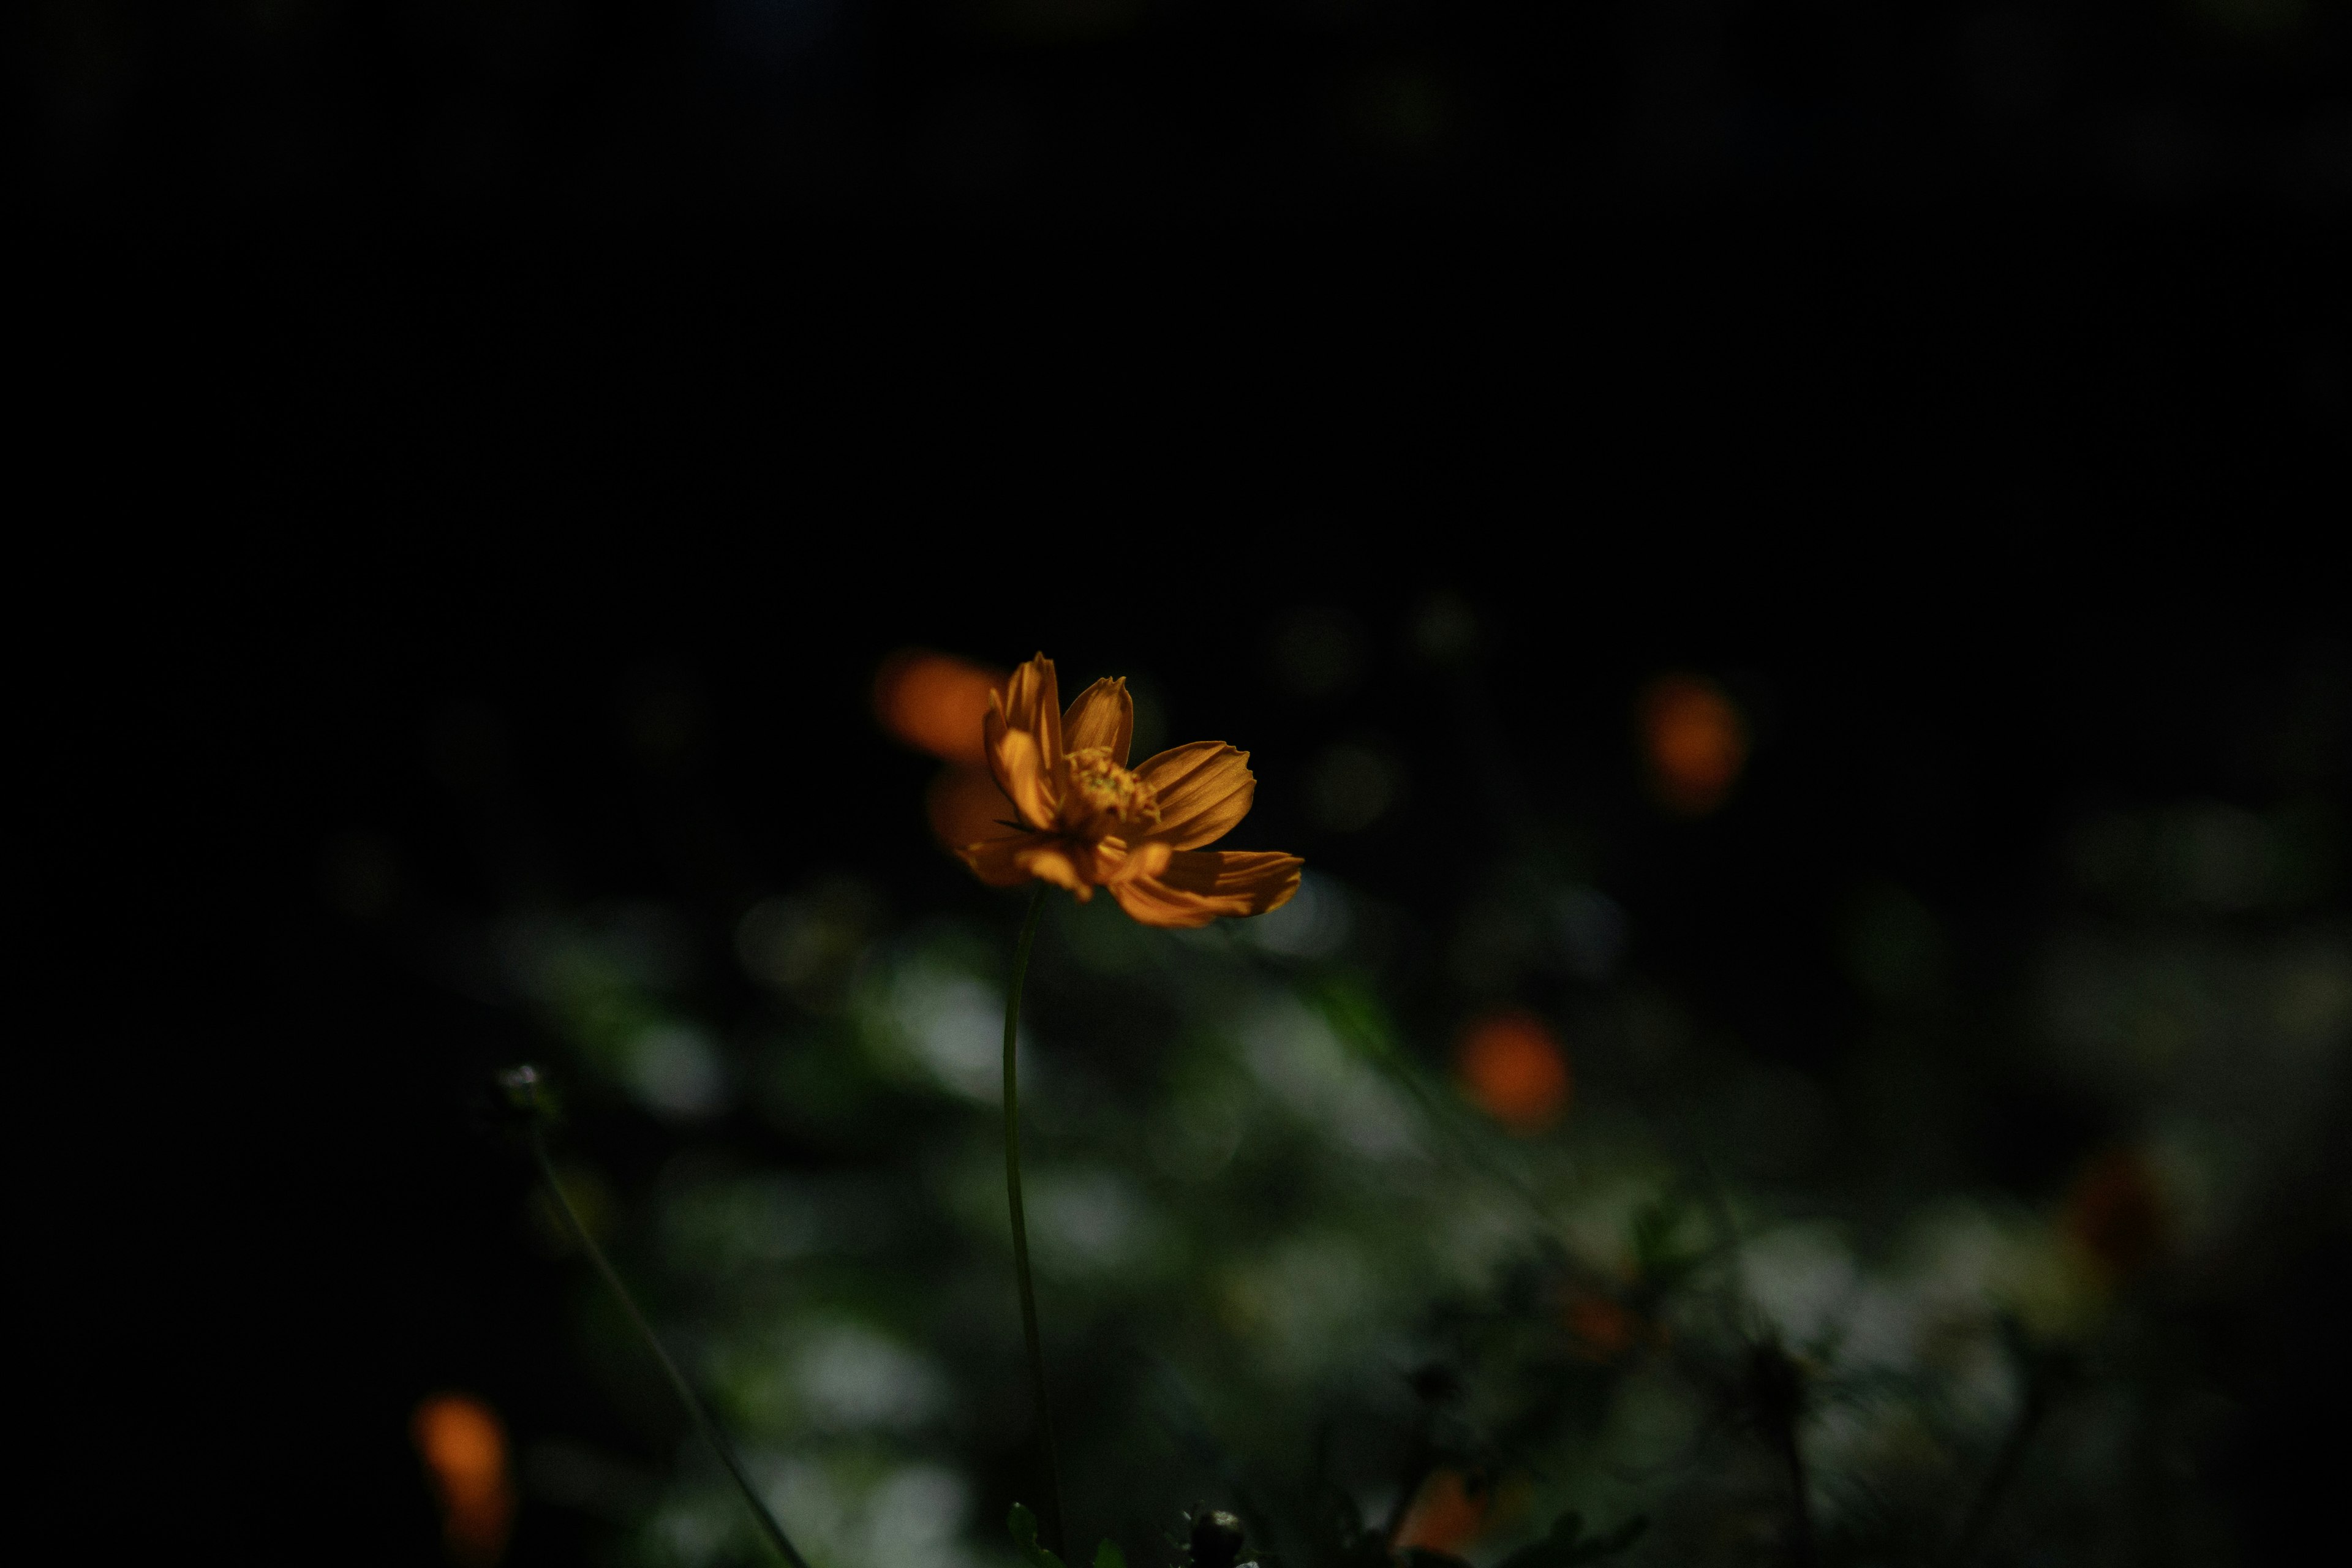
1213 1539
1396 1304
464 1447
521 1085
1023 1524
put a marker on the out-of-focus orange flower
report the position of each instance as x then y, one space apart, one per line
1447 1514
964 806
1602 1330
2116 1213
1515 1071
1085 820
935 702
465 1450
1694 741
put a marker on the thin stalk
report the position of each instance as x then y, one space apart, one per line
1052 1521
2004 1468
695 1407
1802 1503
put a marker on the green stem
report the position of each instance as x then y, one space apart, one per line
2029 1412
1801 1498
1053 1510
685 1394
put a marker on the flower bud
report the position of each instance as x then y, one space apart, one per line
1216 1540
520 1086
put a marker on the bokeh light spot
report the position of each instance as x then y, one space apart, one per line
935 702
1602 1328
1694 741
1447 1514
2115 1212
463 1445
1515 1071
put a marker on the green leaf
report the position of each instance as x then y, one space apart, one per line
1356 1016
1023 1525
1108 1555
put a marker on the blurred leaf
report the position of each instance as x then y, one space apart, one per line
1660 1262
1357 1016
1108 1555
1564 1545
1611 1544
1349 1545
1553 1548
1023 1525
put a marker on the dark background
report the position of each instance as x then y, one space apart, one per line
1160 110
1962 386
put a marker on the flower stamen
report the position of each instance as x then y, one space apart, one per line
1110 788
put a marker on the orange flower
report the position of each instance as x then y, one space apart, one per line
1447 1514
2116 1213
1603 1329
1516 1071
465 1450
1087 820
1695 741
934 702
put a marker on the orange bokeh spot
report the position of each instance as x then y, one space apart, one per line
965 807
464 1447
1603 1331
935 702
1447 1514
1515 1071
1694 741
2115 1212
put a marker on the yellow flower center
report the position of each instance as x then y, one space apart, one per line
1109 788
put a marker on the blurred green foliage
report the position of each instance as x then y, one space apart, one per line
1288 1266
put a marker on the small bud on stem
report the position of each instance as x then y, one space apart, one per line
520 1086
1217 1540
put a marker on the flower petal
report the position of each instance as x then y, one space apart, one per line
1205 789
1103 715
1200 886
1020 769
1033 701
998 861
1023 857
1051 862
1255 879
1146 859
1152 902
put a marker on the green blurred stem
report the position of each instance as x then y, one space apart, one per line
1053 1509
1979 1517
703 1419
1801 1501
